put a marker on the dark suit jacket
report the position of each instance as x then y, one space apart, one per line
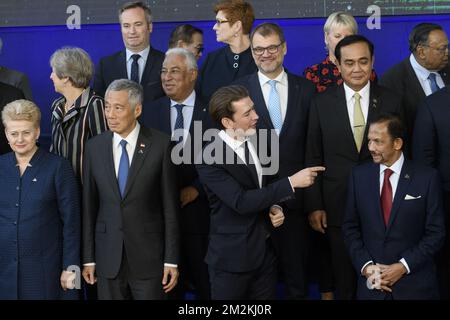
144 222
217 70
195 216
16 79
415 230
402 80
330 143
292 137
115 67
7 94
431 139
239 212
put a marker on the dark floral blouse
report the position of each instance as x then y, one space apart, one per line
325 74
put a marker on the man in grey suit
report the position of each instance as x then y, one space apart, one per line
130 204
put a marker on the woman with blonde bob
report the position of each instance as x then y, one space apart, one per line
39 213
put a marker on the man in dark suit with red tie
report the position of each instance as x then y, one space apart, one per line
337 139
394 220
139 61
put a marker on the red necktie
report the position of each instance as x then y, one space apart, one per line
386 196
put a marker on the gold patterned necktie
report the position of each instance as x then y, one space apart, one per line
359 124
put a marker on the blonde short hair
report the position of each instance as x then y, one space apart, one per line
21 110
340 18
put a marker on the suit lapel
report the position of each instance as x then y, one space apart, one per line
341 116
164 116
294 90
415 83
110 164
140 153
150 63
239 170
374 102
122 66
402 187
374 190
260 104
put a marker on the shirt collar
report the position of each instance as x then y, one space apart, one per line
281 78
144 53
349 92
396 166
422 72
188 102
232 143
131 138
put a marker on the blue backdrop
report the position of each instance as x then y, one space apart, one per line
28 49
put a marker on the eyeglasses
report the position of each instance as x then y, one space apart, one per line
441 50
259 51
220 22
200 49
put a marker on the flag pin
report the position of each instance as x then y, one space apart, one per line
34 180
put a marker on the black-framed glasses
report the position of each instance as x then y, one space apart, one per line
199 49
441 50
259 51
220 22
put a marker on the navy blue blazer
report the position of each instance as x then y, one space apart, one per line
218 70
415 230
431 139
292 138
194 216
114 67
239 212
39 226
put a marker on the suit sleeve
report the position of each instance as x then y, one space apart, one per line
96 116
171 205
351 229
245 202
69 207
314 157
424 138
434 229
90 207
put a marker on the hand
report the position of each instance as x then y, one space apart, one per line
305 178
318 220
172 273
392 273
187 195
276 216
66 280
373 274
89 274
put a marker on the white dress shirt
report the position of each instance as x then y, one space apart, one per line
282 88
238 147
364 101
393 179
188 111
141 62
131 146
423 74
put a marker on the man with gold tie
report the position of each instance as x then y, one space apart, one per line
337 139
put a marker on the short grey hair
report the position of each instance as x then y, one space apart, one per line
21 110
191 62
73 63
340 18
134 90
136 4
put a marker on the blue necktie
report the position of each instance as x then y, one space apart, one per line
135 68
433 84
124 165
274 107
179 122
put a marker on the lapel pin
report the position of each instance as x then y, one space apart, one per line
406 176
34 180
142 145
140 151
